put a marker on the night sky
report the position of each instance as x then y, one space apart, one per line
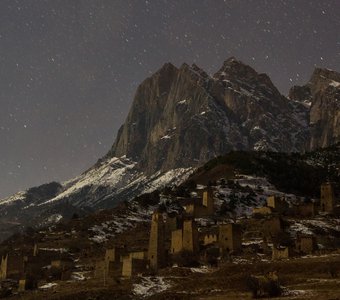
69 68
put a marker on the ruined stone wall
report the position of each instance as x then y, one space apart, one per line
272 227
277 203
305 209
134 266
114 269
265 210
280 253
209 239
12 266
138 255
306 244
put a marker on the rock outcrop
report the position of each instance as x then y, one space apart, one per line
322 94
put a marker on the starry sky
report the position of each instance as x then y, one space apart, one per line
69 68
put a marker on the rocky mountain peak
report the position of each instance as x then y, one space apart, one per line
241 74
321 74
322 79
233 68
322 96
182 117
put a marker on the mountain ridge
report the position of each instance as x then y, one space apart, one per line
181 118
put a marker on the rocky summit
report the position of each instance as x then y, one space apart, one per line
322 94
182 117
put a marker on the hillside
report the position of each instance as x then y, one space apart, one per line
300 174
181 118
240 181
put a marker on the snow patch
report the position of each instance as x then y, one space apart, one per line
78 276
182 102
61 250
203 269
48 286
54 218
334 83
149 286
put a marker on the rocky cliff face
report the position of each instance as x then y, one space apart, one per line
322 93
182 117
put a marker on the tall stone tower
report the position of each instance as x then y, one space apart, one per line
208 201
190 236
3 267
230 237
156 250
35 250
327 201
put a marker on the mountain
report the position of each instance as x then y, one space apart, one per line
181 118
322 93
109 182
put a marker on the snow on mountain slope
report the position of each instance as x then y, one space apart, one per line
16 197
114 179
110 181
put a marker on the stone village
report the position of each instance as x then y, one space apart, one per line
194 237
183 239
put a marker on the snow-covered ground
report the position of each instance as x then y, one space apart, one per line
48 285
309 226
261 190
202 269
106 230
149 286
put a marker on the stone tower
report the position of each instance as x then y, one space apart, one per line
208 201
230 237
190 236
3 267
35 250
156 250
327 200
